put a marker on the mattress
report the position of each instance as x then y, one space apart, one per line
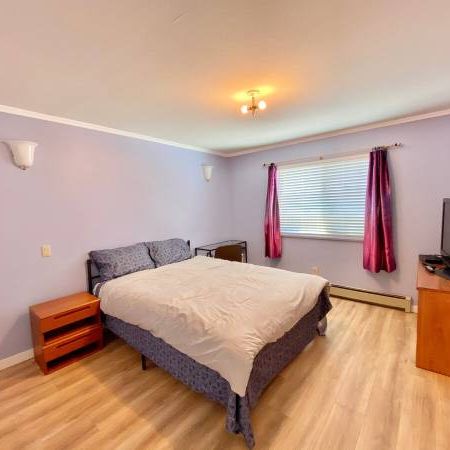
219 313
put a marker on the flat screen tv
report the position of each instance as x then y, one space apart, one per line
445 237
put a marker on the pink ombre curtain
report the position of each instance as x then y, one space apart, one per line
272 218
378 243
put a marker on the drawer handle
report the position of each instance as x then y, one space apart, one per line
68 313
72 340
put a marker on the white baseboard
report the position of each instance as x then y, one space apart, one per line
373 297
16 359
414 308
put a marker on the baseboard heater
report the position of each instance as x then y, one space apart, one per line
375 298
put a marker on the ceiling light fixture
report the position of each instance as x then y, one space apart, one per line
254 106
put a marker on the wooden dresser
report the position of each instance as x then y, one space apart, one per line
433 322
65 330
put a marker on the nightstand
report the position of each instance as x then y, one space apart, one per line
65 330
433 322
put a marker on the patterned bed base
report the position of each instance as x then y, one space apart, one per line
268 363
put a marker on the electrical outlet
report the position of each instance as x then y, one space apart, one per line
315 270
46 250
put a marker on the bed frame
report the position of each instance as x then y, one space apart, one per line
93 277
269 362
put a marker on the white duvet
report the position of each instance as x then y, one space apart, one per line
220 313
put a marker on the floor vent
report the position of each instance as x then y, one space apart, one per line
375 298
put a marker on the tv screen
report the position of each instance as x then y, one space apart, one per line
445 240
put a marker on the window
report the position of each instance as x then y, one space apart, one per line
324 198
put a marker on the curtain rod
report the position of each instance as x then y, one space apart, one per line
339 155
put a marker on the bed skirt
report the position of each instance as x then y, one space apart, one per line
270 361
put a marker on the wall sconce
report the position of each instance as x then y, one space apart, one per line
207 171
23 153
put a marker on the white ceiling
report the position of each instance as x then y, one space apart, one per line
174 69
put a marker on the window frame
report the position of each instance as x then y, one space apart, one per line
331 237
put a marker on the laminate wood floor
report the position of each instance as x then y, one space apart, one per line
357 388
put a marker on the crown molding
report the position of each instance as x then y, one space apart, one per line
344 131
227 154
101 128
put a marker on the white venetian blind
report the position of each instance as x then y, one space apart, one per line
324 198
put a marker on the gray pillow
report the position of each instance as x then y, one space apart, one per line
168 251
115 262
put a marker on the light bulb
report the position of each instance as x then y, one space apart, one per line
262 104
244 109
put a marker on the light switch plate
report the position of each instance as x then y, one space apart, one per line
46 250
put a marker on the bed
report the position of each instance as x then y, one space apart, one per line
225 329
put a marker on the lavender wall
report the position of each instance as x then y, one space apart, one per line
420 174
91 190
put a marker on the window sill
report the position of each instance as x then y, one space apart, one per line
322 237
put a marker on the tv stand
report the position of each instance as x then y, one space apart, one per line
433 322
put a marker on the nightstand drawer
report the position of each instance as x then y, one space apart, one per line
67 317
72 342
